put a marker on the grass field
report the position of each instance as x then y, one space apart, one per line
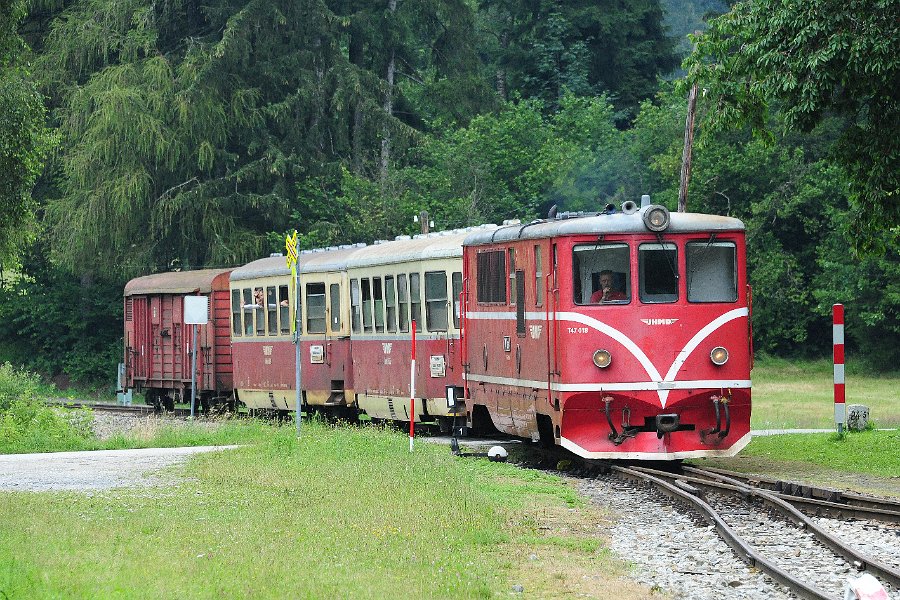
346 513
791 394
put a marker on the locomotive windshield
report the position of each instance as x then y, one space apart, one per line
659 272
711 271
602 274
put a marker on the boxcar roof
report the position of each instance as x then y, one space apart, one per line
440 244
176 282
602 224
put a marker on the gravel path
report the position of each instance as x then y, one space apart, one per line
101 469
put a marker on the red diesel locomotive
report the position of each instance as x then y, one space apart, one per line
622 335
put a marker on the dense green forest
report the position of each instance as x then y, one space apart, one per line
139 137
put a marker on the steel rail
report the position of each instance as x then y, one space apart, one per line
808 492
858 559
744 550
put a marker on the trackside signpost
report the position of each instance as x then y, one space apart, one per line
412 389
840 400
196 312
290 244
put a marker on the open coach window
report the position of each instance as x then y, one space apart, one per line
659 272
711 271
606 263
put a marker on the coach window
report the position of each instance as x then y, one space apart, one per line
658 265
456 284
366 304
315 308
512 276
436 300
272 310
415 299
602 274
284 310
538 277
491 277
259 307
355 315
711 271
335 292
378 295
390 303
236 313
248 311
403 302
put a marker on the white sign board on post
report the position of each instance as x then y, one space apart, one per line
196 312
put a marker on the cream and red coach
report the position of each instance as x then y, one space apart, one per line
157 341
661 373
262 300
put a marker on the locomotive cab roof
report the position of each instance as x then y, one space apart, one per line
608 224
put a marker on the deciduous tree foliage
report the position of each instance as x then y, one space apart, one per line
809 60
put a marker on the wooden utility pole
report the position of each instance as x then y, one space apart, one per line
688 146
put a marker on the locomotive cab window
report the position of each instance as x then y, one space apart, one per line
711 271
491 277
658 265
602 274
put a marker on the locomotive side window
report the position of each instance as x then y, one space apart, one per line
415 299
403 297
538 277
315 308
456 282
366 305
284 309
711 271
602 274
272 309
436 300
236 313
512 277
355 315
248 311
390 302
659 272
378 294
491 276
335 291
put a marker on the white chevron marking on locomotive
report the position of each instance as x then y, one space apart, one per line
635 350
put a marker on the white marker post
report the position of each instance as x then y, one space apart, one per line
412 389
840 400
196 312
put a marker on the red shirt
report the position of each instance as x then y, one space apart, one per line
597 296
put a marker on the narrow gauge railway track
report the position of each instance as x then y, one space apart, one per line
121 409
738 521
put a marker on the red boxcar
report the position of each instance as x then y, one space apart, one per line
612 335
158 342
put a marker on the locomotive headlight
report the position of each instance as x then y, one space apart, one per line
656 218
602 358
719 356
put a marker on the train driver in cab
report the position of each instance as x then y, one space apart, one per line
607 291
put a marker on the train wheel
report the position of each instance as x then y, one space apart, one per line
168 404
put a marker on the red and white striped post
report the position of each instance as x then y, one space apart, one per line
840 404
412 389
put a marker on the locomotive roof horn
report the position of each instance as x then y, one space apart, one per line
629 207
